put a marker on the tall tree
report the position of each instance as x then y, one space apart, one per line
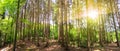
88 35
113 17
16 30
60 23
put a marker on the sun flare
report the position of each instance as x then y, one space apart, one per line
93 14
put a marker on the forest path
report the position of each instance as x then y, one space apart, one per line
55 46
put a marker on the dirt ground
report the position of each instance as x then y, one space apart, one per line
54 46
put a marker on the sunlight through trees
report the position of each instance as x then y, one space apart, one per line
69 24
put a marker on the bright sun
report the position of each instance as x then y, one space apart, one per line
93 14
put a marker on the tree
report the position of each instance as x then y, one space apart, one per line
112 13
60 23
16 25
88 35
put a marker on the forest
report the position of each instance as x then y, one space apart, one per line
59 25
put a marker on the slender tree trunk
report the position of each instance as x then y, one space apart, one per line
38 19
66 24
60 28
16 30
114 23
23 24
88 36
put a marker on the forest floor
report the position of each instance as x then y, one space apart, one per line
54 46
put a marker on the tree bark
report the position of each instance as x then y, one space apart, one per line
16 30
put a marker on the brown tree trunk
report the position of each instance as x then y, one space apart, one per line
16 30
88 35
60 24
114 23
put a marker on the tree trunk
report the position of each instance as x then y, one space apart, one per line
114 23
16 30
88 35
60 22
